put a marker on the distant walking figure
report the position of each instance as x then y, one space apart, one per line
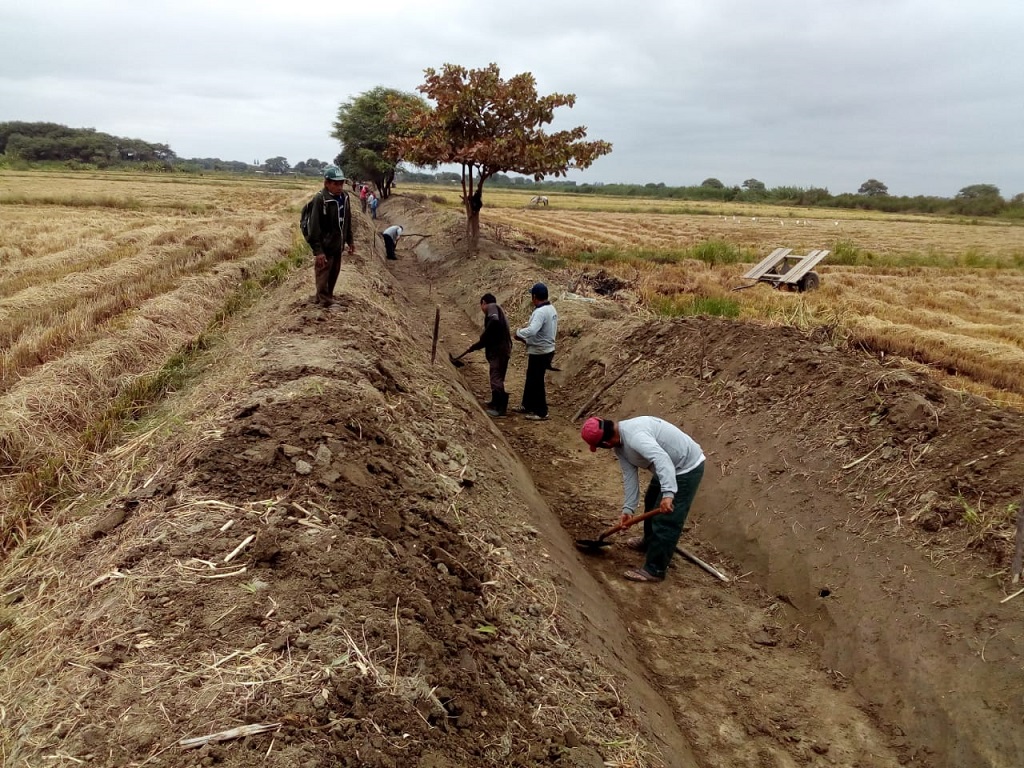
538 200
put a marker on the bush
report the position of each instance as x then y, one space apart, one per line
687 306
718 252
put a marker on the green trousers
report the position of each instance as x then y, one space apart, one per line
662 532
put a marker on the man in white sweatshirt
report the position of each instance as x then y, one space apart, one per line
539 337
677 466
390 236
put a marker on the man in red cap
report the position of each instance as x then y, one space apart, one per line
677 466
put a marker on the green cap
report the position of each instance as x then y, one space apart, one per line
333 173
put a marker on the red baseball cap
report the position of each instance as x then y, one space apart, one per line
592 432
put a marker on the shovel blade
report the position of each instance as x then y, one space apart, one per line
592 546
455 361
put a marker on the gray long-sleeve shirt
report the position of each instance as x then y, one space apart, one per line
540 334
652 443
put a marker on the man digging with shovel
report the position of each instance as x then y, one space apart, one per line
496 342
677 464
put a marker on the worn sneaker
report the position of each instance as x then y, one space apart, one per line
494 413
535 417
519 409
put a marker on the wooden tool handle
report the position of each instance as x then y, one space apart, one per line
632 521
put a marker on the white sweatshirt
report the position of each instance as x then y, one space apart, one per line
647 442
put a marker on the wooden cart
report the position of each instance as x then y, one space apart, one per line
786 271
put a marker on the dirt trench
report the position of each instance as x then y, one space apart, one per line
331 539
863 625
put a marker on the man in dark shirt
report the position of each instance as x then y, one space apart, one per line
496 341
330 229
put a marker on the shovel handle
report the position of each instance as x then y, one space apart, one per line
632 521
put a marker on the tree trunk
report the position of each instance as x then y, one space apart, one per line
472 228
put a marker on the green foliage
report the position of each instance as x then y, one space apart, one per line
713 183
682 306
36 142
710 252
276 165
718 252
979 200
366 127
976 191
847 252
873 188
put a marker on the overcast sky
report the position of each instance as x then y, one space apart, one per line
925 95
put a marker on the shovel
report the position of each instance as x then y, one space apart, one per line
457 361
593 546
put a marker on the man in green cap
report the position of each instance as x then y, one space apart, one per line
329 230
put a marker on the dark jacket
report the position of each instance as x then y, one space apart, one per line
496 340
330 225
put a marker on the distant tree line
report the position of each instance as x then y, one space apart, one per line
360 119
40 142
45 144
873 195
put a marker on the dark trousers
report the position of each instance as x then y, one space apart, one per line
326 278
389 246
498 368
662 532
535 399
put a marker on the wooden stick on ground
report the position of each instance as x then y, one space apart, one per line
593 399
1008 598
233 733
1018 555
700 563
437 327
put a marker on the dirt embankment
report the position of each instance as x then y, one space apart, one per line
330 538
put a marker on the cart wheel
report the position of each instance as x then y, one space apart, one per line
808 282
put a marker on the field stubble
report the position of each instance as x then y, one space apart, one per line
110 289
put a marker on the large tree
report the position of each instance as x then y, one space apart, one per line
276 165
366 126
488 125
979 200
873 188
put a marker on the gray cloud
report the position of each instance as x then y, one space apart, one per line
923 95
